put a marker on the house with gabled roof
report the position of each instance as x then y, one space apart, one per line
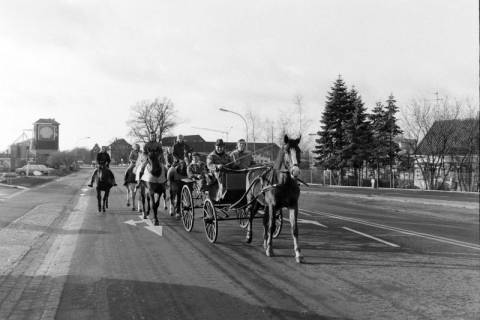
447 157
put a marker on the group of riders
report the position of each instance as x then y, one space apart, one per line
181 155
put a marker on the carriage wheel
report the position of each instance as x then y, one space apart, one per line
187 209
278 223
242 216
210 221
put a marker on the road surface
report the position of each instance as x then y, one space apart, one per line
395 255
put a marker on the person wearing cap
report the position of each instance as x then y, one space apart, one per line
217 160
197 170
241 158
181 150
152 148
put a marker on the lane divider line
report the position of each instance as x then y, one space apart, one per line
408 232
372 237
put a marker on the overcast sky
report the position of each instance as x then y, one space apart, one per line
85 63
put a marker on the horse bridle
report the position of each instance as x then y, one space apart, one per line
290 162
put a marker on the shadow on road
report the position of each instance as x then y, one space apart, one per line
126 299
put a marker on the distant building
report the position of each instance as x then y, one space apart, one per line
45 139
448 156
264 152
120 150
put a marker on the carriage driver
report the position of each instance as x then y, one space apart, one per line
241 158
103 158
152 147
133 157
216 161
197 170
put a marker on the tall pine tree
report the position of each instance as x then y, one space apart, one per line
332 140
385 129
358 133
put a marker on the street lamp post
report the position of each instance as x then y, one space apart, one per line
244 120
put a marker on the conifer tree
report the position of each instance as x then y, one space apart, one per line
358 132
331 141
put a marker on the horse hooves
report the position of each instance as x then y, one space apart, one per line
248 239
300 259
145 216
157 223
269 253
133 208
103 210
128 204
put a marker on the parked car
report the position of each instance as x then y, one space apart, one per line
43 169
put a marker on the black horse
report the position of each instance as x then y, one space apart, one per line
175 175
104 182
274 189
154 180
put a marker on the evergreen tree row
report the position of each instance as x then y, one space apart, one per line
349 136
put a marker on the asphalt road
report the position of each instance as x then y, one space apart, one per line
368 256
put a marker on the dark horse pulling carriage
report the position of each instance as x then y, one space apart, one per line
261 190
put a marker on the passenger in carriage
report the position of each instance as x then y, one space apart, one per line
217 160
133 157
241 158
197 170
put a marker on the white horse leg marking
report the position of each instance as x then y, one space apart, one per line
294 229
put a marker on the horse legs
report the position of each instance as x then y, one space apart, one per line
268 223
155 204
178 200
129 193
252 209
172 199
133 192
99 199
105 199
294 228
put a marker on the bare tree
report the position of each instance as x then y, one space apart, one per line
445 136
147 116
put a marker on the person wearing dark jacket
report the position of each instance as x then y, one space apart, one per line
181 150
103 158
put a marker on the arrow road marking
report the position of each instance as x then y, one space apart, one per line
134 222
155 229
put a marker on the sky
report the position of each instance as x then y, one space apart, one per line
85 63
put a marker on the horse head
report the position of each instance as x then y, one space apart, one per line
155 161
291 156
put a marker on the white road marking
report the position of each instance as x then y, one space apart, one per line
371 237
309 222
133 222
408 232
156 229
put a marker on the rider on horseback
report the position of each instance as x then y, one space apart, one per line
103 159
181 150
133 157
217 160
151 148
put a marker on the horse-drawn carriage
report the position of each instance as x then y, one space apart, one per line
195 203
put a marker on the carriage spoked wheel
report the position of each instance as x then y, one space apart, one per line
278 223
187 208
242 216
210 220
